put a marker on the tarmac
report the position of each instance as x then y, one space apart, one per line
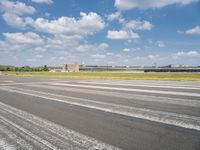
47 113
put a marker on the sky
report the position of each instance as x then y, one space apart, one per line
100 32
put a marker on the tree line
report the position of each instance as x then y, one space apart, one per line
24 68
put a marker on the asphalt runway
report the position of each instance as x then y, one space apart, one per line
45 113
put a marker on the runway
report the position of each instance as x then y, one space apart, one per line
45 113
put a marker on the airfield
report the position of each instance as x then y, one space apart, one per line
58 113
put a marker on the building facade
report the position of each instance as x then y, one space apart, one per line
71 67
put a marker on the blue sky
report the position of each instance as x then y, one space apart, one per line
99 32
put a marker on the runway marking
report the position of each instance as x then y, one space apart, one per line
37 138
8 81
128 89
142 85
4 145
166 100
6 131
180 120
48 133
146 82
24 83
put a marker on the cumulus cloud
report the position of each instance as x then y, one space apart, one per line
84 48
122 35
139 25
154 57
13 12
16 42
146 4
24 38
43 1
114 16
126 49
98 56
193 31
130 49
40 50
17 8
128 27
187 54
103 46
14 20
88 24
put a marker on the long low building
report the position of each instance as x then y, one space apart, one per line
172 70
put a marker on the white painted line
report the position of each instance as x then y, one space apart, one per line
145 82
165 100
142 85
8 81
72 139
46 143
24 83
180 120
128 89
13 137
4 145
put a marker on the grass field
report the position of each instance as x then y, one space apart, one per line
113 75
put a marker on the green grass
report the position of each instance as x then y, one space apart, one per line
113 75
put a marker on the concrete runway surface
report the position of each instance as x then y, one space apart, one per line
44 113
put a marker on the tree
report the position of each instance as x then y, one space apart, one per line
45 68
8 69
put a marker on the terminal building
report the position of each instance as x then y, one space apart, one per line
70 67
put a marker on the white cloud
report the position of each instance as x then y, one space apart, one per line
14 20
195 30
103 46
130 49
40 50
127 31
187 54
126 49
23 38
63 42
160 44
114 16
139 25
154 57
98 56
122 35
80 47
17 8
84 48
13 12
109 54
146 4
88 24
43 1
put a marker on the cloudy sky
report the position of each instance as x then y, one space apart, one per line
99 32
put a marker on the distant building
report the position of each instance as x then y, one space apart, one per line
70 67
177 66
